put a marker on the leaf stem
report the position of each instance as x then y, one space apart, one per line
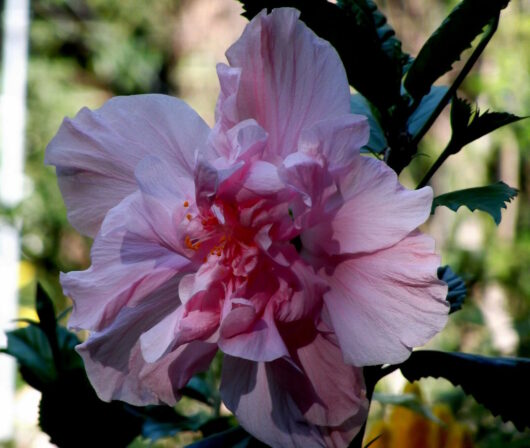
457 82
449 150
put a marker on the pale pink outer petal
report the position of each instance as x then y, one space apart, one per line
332 392
134 253
283 76
115 364
284 406
376 213
97 151
263 407
384 303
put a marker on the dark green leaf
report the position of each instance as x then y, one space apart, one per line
469 125
409 401
377 143
500 384
47 321
457 291
461 113
362 38
163 421
198 389
228 438
30 347
456 33
426 107
489 199
67 341
217 424
390 44
70 411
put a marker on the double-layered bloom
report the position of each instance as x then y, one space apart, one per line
268 237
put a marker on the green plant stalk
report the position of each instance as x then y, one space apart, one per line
449 150
457 82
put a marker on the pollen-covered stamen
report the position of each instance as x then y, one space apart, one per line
193 244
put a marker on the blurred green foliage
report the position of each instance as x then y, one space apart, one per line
81 53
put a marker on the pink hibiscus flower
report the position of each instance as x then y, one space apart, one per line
268 237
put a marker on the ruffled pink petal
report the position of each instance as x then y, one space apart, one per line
260 342
245 141
336 140
307 175
193 284
384 303
283 76
262 179
376 212
131 257
96 152
201 315
305 300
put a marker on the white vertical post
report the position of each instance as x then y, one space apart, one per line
12 126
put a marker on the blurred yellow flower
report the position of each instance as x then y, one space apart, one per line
404 428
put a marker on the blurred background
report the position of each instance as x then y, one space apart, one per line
82 52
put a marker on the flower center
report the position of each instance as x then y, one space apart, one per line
218 232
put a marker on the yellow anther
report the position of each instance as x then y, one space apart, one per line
188 216
186 204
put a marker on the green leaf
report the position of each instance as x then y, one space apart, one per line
390 44
229 438
409 401
500 384
456 33
164 421
426 107
469 125
47 322
362 38
30 347
457 291
70 411
198 389
377 142
489 199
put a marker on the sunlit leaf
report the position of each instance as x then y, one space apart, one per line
456 33
426 107
500 384
489 199
457 291
409 401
